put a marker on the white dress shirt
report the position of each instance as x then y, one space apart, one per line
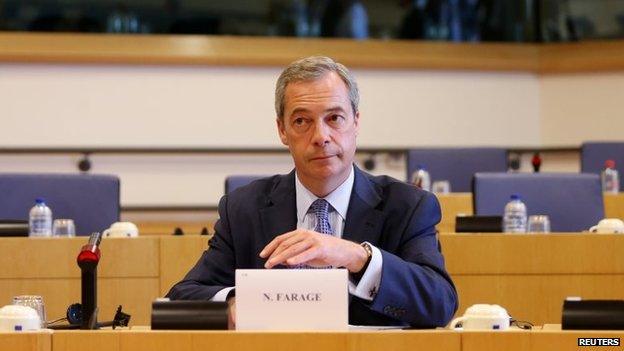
338 200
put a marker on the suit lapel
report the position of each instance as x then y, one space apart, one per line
280 214
364 222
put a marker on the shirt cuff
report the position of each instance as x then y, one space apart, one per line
221 295
368 285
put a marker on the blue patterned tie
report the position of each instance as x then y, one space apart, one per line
320 208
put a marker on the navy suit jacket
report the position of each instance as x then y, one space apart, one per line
397 218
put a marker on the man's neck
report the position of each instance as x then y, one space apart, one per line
323 188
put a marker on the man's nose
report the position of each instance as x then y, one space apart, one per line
321 136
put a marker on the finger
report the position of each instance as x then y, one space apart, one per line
288 242
288 253
268 249
232 316
306 256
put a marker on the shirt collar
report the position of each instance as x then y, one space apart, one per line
338 199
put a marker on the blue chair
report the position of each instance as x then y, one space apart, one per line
573 201
236 181
594 155
92 201
457 165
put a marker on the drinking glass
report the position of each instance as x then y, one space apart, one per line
538 224
63 227
34 301
441 187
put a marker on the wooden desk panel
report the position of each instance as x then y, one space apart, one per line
452 205
26 341
538 340
557 253
56 257
530 274
535 298
614 205
260 341
134 294
149 228
128 273
178 255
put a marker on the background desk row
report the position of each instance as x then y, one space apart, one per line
432 340
452 204
530 275
461 203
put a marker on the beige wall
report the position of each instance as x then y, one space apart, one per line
581 107
180 106
117 106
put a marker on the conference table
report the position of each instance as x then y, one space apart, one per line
551 337
528 274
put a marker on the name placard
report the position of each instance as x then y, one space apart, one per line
292 299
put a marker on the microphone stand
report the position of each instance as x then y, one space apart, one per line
87 260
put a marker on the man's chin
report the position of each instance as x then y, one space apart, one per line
327 172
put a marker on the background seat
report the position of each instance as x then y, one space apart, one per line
236 181
594 155
457 165
92 201
573 201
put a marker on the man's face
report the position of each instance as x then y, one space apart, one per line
320 128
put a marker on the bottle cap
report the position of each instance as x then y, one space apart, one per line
609 164
40 200
419 167
515 197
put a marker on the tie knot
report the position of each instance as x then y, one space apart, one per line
320 207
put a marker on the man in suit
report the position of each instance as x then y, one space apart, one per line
327 212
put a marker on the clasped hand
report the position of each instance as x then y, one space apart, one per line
314 249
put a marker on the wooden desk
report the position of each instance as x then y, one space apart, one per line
442 340
26 341
614 205
453 204
149 228
178 254
457 203
128 274
538 340
530 274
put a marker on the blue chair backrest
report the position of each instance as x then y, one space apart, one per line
573 201
92 201
594 155
457 165
236 181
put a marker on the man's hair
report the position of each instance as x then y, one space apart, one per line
309 69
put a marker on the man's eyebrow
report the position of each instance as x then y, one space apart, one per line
335 109
299 109
331 109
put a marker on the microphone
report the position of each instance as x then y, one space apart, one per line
87 260
90 253
536 162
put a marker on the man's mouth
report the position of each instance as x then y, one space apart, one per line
319 158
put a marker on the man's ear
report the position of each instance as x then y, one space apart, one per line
281 130
356 121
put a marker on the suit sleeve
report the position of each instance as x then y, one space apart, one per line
415 287
215 269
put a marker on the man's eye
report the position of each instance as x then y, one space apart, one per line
298 121
336 119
